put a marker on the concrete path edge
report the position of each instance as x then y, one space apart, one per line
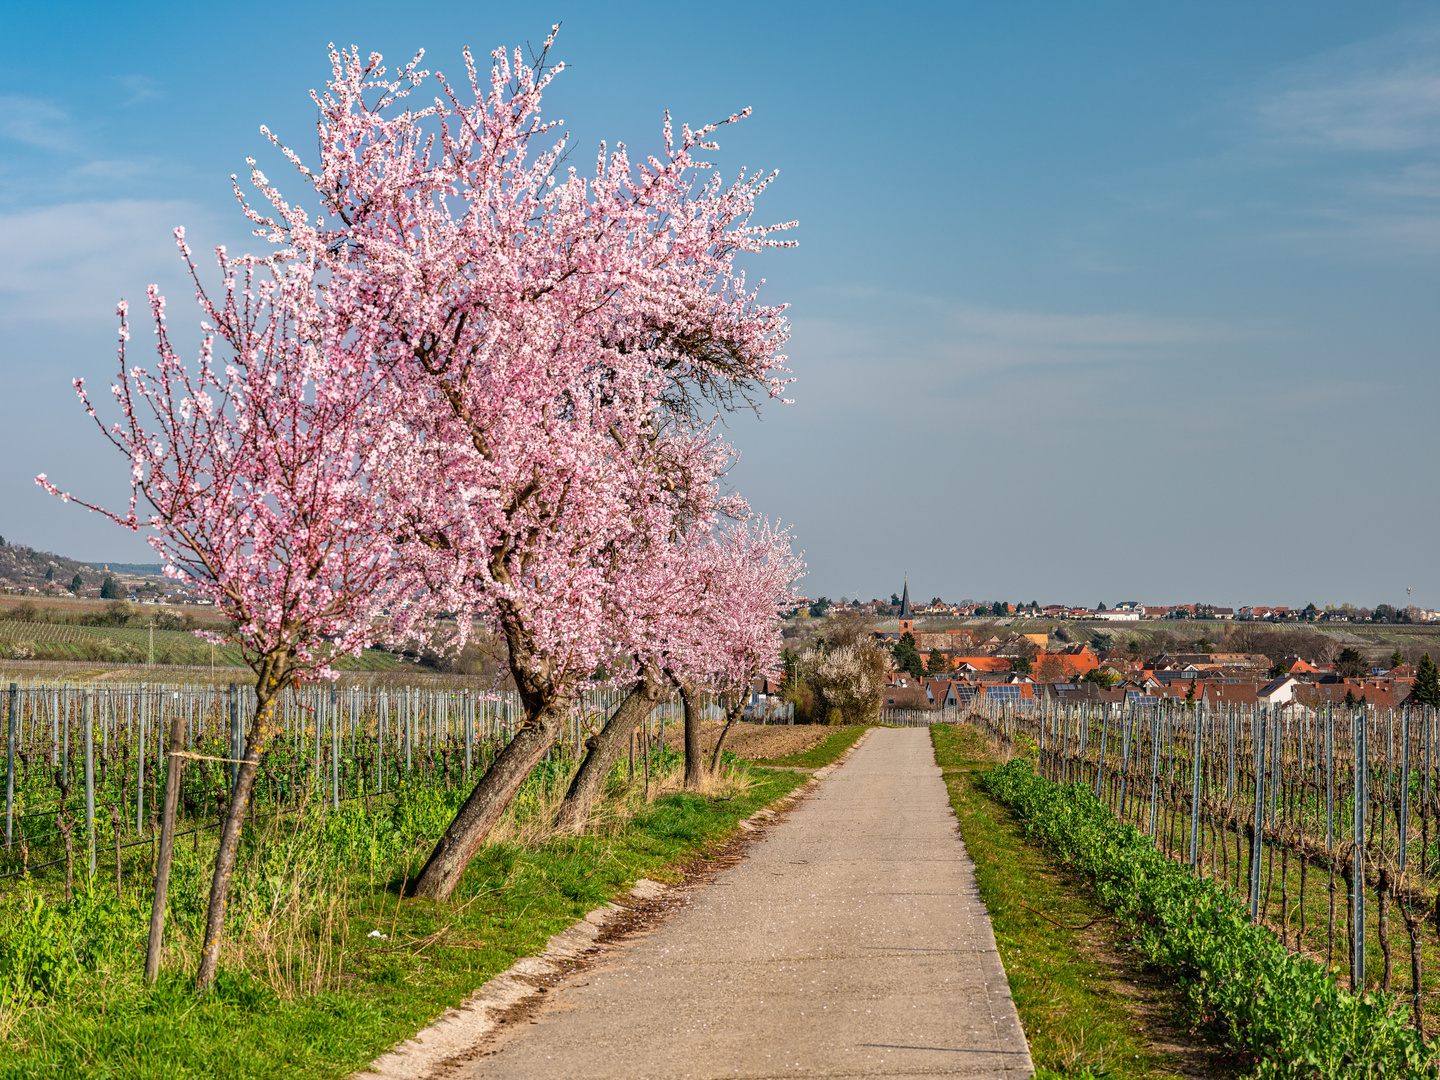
460 1028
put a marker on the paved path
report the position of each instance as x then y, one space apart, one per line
850 942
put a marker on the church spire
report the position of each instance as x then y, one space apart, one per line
905 612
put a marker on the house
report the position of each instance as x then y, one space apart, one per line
948 641
1215 693
944 694
1279 691
981 663
910 696
1080 693
1000 693
1381 693
1065 664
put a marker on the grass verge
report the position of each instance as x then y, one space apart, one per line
1071 986
323 997
817 757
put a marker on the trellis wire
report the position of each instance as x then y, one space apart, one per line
337 743
1270 772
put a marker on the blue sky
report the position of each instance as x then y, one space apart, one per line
1093 302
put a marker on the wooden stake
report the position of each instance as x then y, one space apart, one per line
167 848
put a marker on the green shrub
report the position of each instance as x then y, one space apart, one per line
1282 1009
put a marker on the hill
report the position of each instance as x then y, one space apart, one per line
23 567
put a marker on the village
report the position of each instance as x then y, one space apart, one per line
938 669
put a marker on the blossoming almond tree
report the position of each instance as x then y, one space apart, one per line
755 573
256 479
658 583
538 324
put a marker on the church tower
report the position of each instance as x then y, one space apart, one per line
907 617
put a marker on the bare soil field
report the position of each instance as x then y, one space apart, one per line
754 742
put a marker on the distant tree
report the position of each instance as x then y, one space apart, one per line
1426 690
1350 665
1100 641
1134 647
1383 613
1396 658
998 608
894 599
1102 677
76 584
820 606
109 590
1100 607
50 573
1050 669
843 683
935 601
1350 702
936 664
907 657
1022 665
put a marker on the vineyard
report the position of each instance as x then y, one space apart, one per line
1321 823
86 764
40 640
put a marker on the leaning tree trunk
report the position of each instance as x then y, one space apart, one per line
268 686
732 716
493 793
694 755
604 750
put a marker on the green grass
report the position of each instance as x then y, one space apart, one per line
1067 999
511 901
823 753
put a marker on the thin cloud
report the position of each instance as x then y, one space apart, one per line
958 351
1381 95
35 123
141 88
73 261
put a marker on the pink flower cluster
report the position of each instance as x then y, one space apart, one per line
472 380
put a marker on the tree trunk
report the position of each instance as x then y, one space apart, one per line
604 750
492 794
1382 890
271 682
1412 927
694 756
732 715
